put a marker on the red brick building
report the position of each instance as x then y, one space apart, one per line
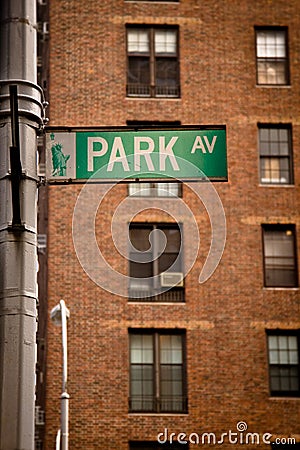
202 357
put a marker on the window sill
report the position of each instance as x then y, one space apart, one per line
285 398
272 86
134 302
296 288
176 2
159 414
153 98
279 185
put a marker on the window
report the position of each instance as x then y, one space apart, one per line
275 150
283 349
280 264
163 189
157 446
152 66
272 56
157 372
155 189
155 263
156 1
289 445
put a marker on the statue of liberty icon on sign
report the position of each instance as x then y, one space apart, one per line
61 156
59 161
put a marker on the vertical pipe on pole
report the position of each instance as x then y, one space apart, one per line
18 245
59 315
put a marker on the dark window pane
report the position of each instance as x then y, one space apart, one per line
167 77
141 270
140 264
141 387
168 260
138 80
138 445
140 277
138 70
172 404
142 404
280 278
172 249
139 237
284 378
173 238
280 260
171 373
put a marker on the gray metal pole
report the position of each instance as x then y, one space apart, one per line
18 216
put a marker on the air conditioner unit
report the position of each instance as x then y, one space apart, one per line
171 279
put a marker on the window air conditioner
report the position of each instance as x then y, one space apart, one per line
171 279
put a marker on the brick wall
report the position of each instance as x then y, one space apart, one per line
225 318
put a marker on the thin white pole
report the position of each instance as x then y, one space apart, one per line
64 396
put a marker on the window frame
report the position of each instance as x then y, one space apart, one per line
266 59
283 393
289 156
158 293
154 1
283 228
157 396
155 125
154 190
155 445
152 62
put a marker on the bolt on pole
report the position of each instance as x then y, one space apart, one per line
21 117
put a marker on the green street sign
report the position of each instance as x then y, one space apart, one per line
127 154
